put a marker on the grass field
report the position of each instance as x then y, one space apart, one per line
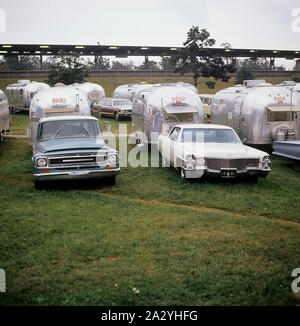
207 242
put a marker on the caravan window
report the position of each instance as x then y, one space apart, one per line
274 116
179 117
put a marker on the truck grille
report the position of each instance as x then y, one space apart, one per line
86 160
240 164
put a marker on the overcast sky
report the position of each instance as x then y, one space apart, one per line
243 23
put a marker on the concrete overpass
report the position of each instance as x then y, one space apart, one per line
124 51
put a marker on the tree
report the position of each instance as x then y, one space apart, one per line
67 69
167 64
21 62
255 63
117 65
190 58
149 65
244 73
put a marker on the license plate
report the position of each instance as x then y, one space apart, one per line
79 173
228 174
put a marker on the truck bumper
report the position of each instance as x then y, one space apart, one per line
76 175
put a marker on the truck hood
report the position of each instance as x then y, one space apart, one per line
64 144
222 151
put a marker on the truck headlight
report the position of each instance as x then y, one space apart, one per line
112 159
266 162
41 162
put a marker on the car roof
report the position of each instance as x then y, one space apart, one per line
67 117
202 126
207 95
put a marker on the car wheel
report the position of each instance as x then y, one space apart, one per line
182 174
165 163
296 165
111 181
117 116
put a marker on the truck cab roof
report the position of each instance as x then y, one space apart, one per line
67 117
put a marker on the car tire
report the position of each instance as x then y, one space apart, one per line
165 162
296 165
117 116
182 174
111 181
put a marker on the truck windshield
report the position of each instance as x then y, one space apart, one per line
69 129
209 136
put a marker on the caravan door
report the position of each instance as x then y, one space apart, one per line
237 113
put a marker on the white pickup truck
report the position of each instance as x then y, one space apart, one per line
198 149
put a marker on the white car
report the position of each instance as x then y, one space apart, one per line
198 149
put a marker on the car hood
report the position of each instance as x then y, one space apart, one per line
220 150
125 107
64 144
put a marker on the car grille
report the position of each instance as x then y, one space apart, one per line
86 160
240 164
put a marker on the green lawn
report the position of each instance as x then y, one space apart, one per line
178 243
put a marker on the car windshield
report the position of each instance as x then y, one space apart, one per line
122 102
209 136
69 129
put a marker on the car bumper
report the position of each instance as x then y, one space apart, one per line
76 175
125 114
225 173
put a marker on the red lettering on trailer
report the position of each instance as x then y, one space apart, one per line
178 99
59 100
279 99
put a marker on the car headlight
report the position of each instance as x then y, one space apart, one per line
112 158
41 162
266 162
190 162
200 162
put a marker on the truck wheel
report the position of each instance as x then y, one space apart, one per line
111 181
117 116
296 165
253 178
38 185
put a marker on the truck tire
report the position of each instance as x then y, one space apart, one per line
111 181
38 185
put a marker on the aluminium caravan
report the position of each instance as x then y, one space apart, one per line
259 112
